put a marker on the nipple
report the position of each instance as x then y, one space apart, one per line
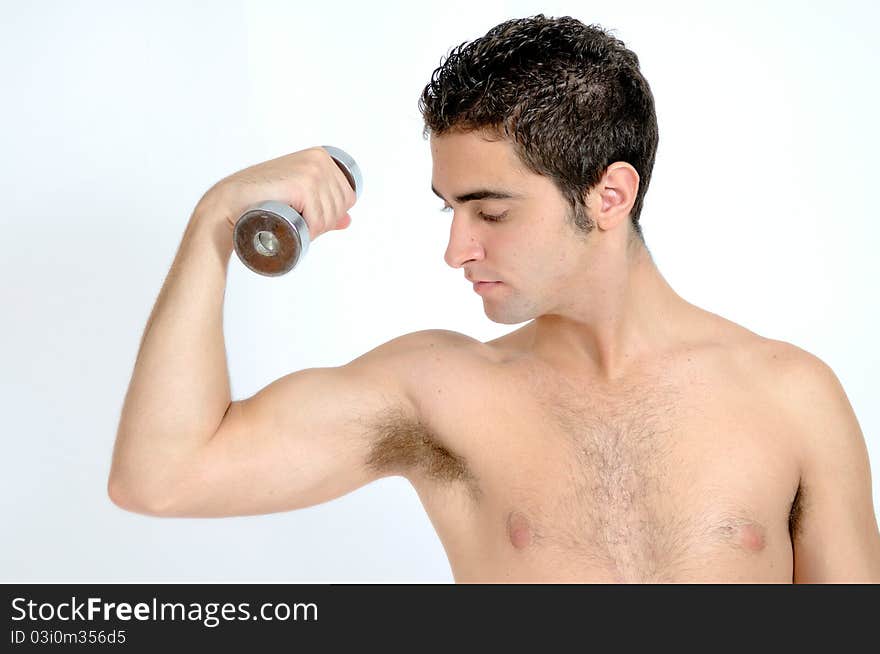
751 537
744 534
518 530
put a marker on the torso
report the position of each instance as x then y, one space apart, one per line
684 472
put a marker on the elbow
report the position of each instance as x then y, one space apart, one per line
130 499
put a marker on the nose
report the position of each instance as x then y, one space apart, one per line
464 244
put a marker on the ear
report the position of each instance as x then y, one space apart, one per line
614 196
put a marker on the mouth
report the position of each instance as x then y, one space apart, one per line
485 286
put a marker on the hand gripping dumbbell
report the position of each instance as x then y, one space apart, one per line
270 238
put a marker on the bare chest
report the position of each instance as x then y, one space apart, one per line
682 475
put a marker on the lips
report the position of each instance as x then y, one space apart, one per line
478 286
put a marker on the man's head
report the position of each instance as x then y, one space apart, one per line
558 115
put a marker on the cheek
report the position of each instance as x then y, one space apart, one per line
555 268
551 257
539 256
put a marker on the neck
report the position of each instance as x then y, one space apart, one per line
627 313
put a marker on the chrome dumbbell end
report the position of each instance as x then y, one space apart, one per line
271 238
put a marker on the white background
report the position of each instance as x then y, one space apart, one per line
116 117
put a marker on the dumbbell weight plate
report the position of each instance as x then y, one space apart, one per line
271 238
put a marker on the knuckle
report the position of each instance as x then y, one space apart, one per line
320 156
312 173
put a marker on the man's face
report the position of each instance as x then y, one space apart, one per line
533 250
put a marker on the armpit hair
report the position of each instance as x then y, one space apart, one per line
795 517
403 444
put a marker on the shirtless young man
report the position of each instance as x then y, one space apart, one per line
621 435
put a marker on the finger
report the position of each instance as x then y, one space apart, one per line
339 209
344 222
312 213
327 217
347 194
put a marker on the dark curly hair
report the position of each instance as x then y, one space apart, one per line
570 97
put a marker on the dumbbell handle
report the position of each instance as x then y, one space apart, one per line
271 238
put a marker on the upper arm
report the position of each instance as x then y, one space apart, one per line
304 439
836 539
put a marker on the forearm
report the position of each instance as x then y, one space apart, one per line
179 390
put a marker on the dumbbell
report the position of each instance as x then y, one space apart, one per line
271 238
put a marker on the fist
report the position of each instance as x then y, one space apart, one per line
309 180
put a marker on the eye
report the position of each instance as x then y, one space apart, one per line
484 216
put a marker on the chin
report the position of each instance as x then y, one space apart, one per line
508 313
504 320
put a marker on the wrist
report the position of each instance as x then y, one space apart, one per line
212 207
211 221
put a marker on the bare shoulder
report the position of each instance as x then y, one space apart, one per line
416 348
810 393
415 341
796 367
408 362
816 389
405 357
795 381
761 358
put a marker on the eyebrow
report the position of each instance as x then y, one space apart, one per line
480 194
